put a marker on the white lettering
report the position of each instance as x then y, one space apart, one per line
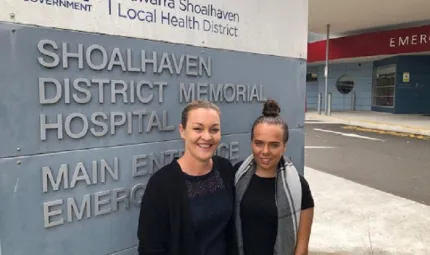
423 38
403 41
414 39
228 150
48 212
113 122
98 202
79 212
43 82
392 42
113 172
80 173
52 55
83 89
221 92
71 209
62 177
92 205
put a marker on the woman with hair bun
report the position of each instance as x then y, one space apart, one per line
274 205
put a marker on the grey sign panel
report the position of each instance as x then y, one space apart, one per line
296 148
86 119
65 90
84 201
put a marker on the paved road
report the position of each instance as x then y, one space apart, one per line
394 163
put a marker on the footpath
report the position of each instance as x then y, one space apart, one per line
410 124
353 219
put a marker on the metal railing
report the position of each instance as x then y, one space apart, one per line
353 99
327 109
329 103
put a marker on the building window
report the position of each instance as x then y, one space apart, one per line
384 86
310 77
345 84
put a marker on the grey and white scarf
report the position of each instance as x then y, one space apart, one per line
288 202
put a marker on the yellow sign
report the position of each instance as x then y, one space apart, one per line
406 76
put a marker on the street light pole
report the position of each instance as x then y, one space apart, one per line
326 69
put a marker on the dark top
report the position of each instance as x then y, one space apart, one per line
170 223
259 215
211 209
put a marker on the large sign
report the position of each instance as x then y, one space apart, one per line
106 91
85 201
272 27
86 119
91 97
400 41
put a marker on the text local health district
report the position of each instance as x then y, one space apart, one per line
174 19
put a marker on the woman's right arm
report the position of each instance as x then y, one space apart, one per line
153 229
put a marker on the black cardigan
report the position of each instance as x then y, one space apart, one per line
165 224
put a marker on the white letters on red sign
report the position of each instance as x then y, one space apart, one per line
403 41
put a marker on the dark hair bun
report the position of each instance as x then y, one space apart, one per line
271 109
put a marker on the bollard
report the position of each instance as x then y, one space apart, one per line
353 101
328 112
319 102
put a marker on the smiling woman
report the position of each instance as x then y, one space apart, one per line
274 203
187 207
201 130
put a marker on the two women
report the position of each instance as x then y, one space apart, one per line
190 206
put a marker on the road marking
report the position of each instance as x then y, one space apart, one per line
348 134
387 132
320 122
319 147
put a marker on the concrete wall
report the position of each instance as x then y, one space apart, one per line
87 118
360 73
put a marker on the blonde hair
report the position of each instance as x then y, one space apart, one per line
197 104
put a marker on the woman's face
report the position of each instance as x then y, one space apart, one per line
267 145
202 133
